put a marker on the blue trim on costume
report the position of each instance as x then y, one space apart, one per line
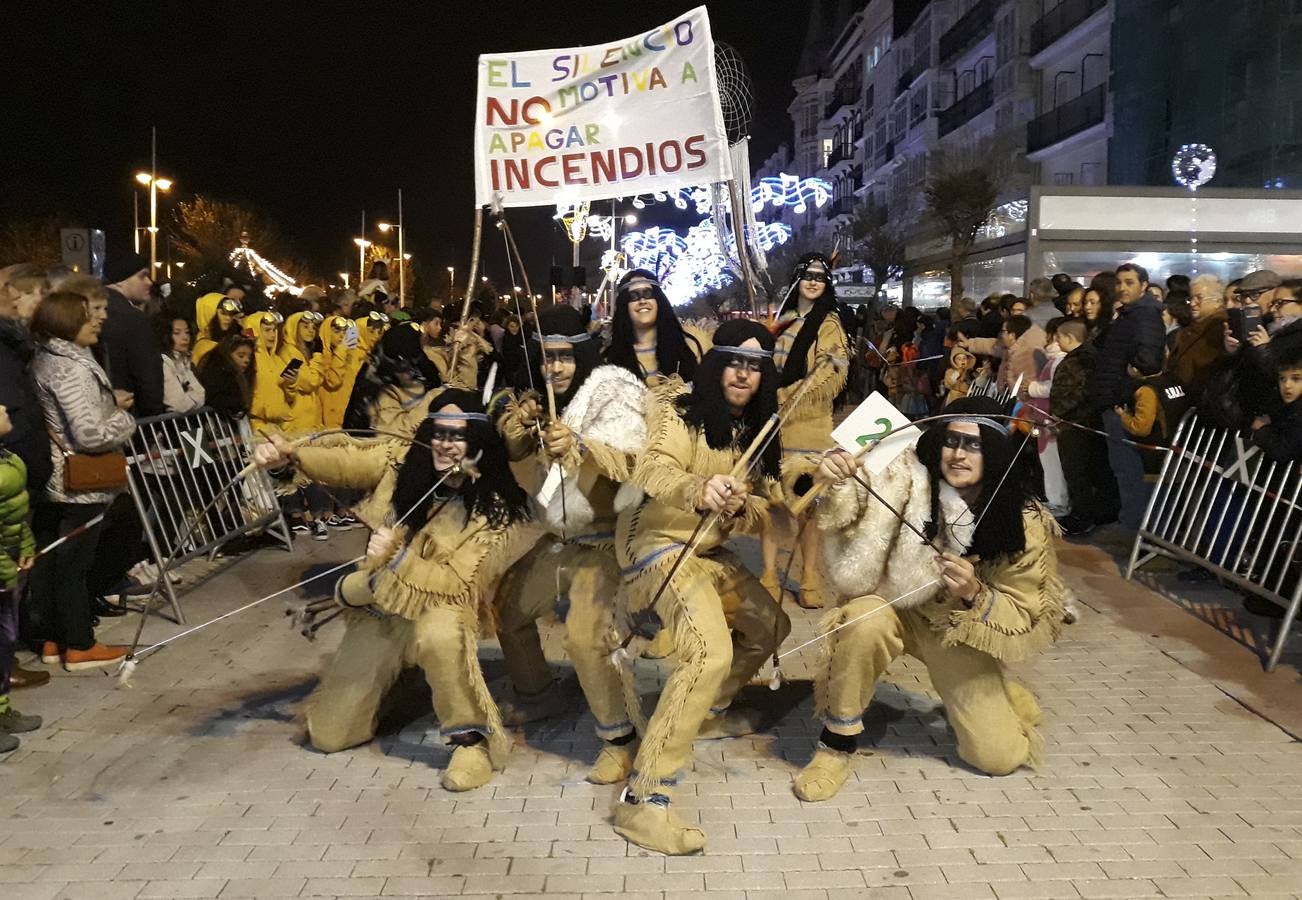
650 558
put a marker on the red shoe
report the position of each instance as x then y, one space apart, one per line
50 654
97 657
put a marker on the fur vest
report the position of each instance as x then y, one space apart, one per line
867 550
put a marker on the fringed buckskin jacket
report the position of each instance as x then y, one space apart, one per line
671 475
449 561
606 416
809 429
867 551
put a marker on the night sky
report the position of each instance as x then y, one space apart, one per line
310 113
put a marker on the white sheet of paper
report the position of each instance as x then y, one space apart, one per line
550 484
869 421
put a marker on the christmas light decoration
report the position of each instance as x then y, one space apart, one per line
272 276
1193 165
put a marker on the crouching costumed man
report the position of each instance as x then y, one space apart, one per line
416 600
574 467
722 623
992 596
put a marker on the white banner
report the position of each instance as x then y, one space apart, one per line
878 424
612 120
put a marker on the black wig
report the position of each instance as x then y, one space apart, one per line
999 508
674 347
398 351
705 407
494 494
563 319
797 363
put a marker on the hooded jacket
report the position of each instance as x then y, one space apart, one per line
205 310
316 376
273 401
344 363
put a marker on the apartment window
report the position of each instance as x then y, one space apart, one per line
1006 38
827 151
868 102
918 105
1062 179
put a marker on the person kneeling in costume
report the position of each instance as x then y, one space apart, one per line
575 466
417 597
966 489
723 623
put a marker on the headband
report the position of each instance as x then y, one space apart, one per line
982 420
751 352
565 338
459 417
640 281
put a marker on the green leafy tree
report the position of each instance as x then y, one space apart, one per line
960 200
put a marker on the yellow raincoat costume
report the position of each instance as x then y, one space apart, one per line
345 362
205 310
272 405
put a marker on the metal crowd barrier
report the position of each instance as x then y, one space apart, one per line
177 467
1221 504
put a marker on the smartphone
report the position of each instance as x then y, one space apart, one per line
292 368
1243 322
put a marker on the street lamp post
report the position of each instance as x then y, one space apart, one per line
452 282
402 258
155 184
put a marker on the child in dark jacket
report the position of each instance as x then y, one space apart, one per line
17 547
1280 438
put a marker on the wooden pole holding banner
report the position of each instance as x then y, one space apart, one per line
533 302
470 285
743 250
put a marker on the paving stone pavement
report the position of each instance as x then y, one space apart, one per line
194 782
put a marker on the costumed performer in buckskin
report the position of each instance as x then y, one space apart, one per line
811 345
722 622
992 596
646 337
571 574
428 572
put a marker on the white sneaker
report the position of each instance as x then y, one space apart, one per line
319 532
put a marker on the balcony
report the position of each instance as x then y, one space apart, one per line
856 176
974 25
843 206
967 107
1072 117
1060 20
884 154
843 98
912 74
840 153
856 133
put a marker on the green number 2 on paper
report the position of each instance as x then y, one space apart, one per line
864 439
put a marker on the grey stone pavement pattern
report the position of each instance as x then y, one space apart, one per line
1160 780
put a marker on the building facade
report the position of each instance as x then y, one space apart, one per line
1048 94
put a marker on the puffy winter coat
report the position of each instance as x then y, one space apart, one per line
1136 338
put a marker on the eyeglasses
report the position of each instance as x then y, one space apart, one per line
1207 298
817 277
744 364
444 435
969 443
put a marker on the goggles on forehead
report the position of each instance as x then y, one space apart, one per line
273 317
230 306
339 323
375 318
971 443
314 318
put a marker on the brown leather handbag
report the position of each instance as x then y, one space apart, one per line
92 471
